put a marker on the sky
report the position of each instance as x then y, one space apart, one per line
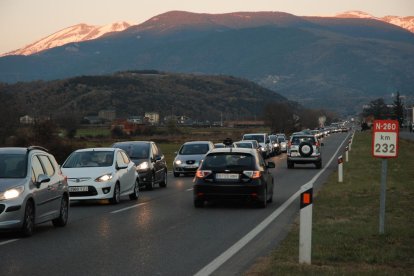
25 21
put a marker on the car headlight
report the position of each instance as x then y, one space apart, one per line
262 149
104 178
143 166
178 162
12 193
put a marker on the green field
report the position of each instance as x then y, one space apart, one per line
345 238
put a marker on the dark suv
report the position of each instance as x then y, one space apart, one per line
230 173
151 164
303 149
32 189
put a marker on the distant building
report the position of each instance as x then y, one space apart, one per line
127 127
136 119
108 115
153 118
93 120
27 120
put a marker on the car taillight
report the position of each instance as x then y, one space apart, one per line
252 174
202 173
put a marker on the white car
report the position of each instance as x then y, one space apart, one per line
101 173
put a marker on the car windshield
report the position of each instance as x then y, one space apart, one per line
281 139
246 145
228 161
13 165
258 138
135 151
297 140
190 149
89 159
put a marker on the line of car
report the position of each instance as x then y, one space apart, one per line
35 189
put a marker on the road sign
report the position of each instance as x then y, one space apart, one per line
385 138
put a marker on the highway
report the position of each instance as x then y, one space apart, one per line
163 234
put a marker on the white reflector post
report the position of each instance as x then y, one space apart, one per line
340 169
305 230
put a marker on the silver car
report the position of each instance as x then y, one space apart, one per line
189 157
32 189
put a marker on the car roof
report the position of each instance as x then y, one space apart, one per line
235 150
132 142
96 149
20 150
197 142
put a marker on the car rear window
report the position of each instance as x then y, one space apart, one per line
246 145
231 161
298 139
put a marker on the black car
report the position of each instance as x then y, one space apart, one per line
150 162
234 173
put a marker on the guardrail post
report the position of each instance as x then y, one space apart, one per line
340 169
305 228
346 154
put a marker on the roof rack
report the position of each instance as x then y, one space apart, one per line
36 148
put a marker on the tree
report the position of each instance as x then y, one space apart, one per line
378 109
398 109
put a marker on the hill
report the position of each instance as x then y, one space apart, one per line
335 63
135 92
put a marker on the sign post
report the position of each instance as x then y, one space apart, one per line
384 145
305 225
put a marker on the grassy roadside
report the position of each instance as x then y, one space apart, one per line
345 238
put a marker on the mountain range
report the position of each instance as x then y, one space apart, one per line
322 62
77 33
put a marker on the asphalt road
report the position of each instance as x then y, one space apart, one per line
162 233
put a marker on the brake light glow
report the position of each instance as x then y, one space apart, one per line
252 174
202 173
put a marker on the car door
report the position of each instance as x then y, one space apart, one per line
129 175
43 194
56 181
157 160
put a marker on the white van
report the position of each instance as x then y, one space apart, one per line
263 140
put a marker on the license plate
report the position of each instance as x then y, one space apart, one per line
294 154
78 189
232 176
191 167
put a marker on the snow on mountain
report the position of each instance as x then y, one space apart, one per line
403 22
77 33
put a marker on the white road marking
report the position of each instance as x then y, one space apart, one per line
226 255
127 208
9 241
189 190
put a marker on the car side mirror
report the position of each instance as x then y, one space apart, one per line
42 178
270 165
121 167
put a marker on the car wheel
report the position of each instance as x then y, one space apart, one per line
163 183
116 198
318 164
198 203
29 220
176 174
135 193
263 203
290 165
150 185
64 213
